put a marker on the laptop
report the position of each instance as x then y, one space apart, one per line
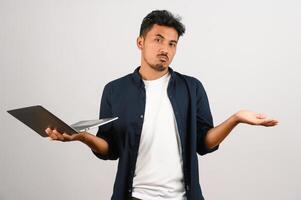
39 118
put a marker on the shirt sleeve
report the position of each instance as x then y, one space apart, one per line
106 131
204 120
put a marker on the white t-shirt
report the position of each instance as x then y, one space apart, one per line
159 173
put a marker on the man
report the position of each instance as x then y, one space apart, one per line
164 121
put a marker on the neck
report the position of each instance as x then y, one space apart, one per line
148 73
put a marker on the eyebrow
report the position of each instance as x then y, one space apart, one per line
161 36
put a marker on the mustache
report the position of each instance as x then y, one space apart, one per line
163 55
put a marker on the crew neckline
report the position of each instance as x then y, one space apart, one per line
158 80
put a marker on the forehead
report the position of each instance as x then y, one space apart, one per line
168 33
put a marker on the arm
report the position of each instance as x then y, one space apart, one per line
103 144
98 145
217 134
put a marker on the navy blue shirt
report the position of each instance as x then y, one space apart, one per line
125 98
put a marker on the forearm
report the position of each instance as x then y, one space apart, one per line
217 134
98 145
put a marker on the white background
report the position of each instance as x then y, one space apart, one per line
61 53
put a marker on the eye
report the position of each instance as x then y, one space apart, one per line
172 44
157 39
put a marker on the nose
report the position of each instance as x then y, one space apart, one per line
164 49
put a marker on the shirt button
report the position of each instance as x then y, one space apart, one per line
141 116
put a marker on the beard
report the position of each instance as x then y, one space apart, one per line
158 67
158 64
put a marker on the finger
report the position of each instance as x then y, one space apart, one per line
263 122
67 137
53 136
273 123
58 135
270 123
48 131
49 138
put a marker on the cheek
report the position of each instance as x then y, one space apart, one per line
151 49
172 53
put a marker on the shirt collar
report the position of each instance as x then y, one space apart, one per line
138 79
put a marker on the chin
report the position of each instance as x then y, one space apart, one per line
159 67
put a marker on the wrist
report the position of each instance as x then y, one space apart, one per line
81 137
235 118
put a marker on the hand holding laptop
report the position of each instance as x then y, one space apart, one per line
39 119
47 124
64 137
98 145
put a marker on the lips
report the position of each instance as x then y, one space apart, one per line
163 58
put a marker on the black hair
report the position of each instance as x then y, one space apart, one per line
163 18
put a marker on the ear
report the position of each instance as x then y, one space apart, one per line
140 41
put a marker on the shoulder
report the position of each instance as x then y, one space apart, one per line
123 81
190 80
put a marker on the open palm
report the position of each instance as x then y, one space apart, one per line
252 118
